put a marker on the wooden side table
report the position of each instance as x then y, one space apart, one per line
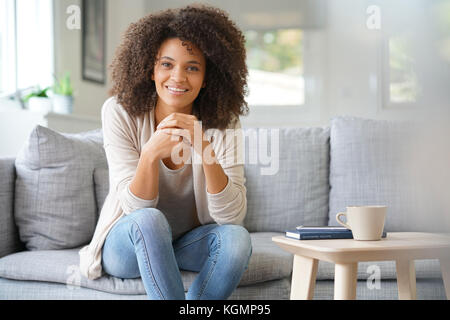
402 247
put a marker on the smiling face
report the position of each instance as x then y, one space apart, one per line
179 75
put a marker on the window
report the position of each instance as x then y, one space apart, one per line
403 81
275 63
26 39
7 50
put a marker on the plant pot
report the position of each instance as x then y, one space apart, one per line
62 104
40 104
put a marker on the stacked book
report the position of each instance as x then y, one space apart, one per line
316 233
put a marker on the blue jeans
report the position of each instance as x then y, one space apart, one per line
140 245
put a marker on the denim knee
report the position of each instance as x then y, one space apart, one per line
151 221
236 242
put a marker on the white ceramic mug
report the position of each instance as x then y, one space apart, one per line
366 222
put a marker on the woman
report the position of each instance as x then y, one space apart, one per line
165 211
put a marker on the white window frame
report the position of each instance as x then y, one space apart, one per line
264 79
314 71
10 50
8 22
385 80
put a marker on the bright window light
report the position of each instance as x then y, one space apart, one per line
7 47
275 62
26 38
403 80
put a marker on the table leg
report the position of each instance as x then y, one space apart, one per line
406 279
345 281
445 269
303 278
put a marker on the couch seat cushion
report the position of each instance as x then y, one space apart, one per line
9 237
268 262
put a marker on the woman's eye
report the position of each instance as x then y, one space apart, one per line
168 65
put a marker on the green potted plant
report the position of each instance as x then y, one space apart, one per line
63 95
38 100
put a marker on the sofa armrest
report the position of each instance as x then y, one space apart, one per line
9 236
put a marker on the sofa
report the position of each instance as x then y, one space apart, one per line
52 192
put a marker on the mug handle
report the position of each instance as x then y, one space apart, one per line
339 220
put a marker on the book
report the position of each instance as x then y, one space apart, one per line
317 233
322 228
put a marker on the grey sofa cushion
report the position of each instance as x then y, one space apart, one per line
36 290
268 262
9 239
55 203
101 181
371 165
298 192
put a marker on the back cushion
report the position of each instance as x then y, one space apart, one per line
286 172
9 237
55 199
380 162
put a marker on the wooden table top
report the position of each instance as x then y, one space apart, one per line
414 245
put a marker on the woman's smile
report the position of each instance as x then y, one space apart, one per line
176 91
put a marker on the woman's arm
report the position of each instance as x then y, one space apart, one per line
228 206
123 157
145 182
216 179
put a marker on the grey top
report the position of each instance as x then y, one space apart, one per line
176 198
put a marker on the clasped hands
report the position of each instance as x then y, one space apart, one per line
180 125
188 129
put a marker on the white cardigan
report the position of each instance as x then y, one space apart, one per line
124 137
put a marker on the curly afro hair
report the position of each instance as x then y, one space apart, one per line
211 30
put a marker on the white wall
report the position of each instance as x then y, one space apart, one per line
16 125
89 97
356 60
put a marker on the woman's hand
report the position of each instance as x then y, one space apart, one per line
184 126
161 145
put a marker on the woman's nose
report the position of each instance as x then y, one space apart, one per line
178 74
